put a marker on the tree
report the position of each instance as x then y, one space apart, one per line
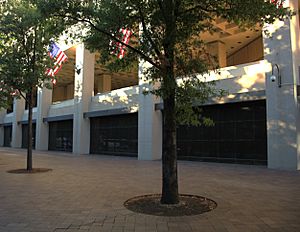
25 35
170 40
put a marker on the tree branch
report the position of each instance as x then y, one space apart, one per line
22 95
23 41
160 4
157 51
197 7
34 53
145 57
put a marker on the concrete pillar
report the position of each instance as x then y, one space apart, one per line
149 122
218 50
83 91
19 108
2 115
283 116
104 83
44 101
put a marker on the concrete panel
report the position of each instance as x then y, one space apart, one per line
126 97
44 100
62 108
283 115
149 122
19 107
83 91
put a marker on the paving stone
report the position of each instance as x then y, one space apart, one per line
86 194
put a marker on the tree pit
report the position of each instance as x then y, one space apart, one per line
189 205
33 171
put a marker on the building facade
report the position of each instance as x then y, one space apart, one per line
93 111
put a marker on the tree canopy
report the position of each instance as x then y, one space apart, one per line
158 25
167 35
25 35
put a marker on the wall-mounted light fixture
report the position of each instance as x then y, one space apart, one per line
78 68
276 75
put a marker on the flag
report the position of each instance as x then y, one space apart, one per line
278 3
59 56
119 48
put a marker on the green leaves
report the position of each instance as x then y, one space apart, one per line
25 34
167 34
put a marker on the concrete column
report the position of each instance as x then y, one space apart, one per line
104 83
2 115
19 108
44 101
218 50
83 91
283 116
149 122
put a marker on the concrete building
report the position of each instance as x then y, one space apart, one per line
93 111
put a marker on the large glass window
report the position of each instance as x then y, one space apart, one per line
7 136
61 135
239 135
25 135
115 135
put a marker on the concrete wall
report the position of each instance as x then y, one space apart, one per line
19 108
42 129
125 97
25 115
150 121
283 115
242 78
61 108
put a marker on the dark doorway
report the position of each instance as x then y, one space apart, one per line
25 135
61 135
7 136
238 136
115 135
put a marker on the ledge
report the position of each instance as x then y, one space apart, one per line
231 98
59 118
101 113
24 122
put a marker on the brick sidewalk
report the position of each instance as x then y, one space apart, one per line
86 194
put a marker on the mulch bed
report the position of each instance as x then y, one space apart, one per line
33 171
188 205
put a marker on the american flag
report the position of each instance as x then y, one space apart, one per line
278 3
118 48
56 53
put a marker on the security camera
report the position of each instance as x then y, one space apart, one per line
273 78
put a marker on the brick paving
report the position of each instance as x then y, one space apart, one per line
86 194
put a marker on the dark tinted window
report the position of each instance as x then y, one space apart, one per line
239 135
7 136
61 135
25 135
115 135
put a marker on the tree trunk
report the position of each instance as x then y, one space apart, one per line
29 145
169 156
